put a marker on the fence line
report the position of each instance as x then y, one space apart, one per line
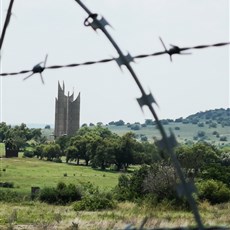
170 52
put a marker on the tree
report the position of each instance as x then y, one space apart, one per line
124 154
71 153
63 142
52 151
194 158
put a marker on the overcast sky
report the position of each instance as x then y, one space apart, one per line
191 83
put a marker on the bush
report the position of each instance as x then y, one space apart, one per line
223 138
214 191
93 202
28 153
161 181
7 195
217 172
135 127
131 187
62 194
6 184
57 160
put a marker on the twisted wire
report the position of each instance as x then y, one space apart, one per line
112 59
6 23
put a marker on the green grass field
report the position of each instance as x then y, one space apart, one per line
26 172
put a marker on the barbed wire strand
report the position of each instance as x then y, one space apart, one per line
147 100
113 59
6 23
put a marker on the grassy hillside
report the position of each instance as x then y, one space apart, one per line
212 126
185 133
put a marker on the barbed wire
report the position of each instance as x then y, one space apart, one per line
167 142
170 52
6 23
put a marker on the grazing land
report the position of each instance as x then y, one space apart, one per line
27 172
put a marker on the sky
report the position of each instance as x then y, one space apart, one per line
189 84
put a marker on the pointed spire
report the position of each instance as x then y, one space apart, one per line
63 87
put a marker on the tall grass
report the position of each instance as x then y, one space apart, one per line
37 215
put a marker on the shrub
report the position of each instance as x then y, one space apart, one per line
28 153
135 127
201 133
214 191
200 124
57 160
62 194
131 188
7 195
217 172
161 181
223 138
6 184
225 159
93 199
93 202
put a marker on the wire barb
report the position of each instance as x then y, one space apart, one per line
38 69
173 50
93 21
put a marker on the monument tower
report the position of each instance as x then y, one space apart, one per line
67 113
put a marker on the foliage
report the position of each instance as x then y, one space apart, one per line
51 151
8 195
194 158
15 138
47 127
213 191
6 184
225 158
102 148
131 187
161 181
94 202
62 194
217 172
63 142
223 138
93 199
28 153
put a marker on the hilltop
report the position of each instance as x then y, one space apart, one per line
212 126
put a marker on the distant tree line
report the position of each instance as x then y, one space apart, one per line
100 148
